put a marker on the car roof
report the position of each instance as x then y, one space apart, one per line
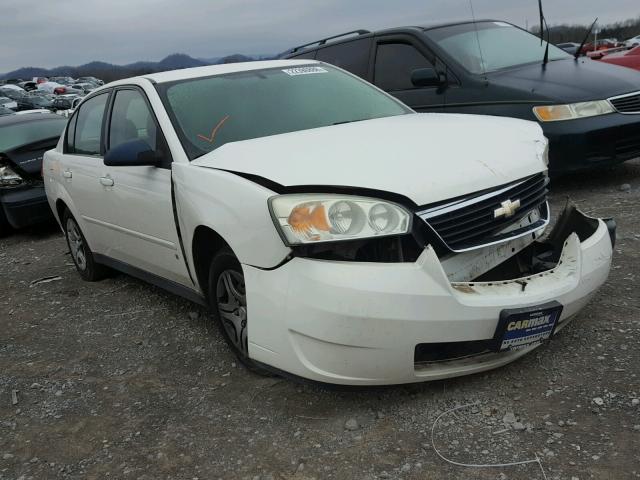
321 43
211 70
6 120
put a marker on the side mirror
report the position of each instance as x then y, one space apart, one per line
134 153
426 77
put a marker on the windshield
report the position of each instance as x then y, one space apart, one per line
209 112
23 133
489 46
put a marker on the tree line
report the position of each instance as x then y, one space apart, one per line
575 33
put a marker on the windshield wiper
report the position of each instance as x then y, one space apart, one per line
586 37
543 26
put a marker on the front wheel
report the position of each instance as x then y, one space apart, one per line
228 300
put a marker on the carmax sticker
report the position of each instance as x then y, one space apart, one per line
304 71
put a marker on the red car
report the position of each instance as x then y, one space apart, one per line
627 58
603 44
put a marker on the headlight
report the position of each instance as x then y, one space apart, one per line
9 178
555 113
312 218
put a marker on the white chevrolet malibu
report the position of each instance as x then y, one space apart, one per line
335 234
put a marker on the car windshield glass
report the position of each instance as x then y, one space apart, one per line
209 112
489 46
23 133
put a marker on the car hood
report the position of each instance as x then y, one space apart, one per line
424 157
569 80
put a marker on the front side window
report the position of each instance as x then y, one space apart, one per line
394 64
88 130
485 47
212 111
131 119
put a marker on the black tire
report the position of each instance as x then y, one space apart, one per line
230 311
87 267
5 227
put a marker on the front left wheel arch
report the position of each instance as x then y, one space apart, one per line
205 245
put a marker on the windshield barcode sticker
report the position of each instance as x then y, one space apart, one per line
304 71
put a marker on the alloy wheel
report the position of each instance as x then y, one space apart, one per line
232 305
76 244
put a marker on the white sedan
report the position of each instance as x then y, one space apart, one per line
336 235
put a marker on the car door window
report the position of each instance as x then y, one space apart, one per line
309 55
353 56
394 64
71 134
131 119
88 131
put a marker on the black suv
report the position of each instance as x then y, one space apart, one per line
590 111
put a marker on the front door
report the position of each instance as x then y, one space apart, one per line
396 57
141 214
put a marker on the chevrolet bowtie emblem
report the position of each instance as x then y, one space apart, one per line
507 209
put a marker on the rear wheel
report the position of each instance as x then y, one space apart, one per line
82 256
228 300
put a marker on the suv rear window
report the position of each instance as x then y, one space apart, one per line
353 56
211 111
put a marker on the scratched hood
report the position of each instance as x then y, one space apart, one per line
425 157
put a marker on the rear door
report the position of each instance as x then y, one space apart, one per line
396 57
141 214
82 169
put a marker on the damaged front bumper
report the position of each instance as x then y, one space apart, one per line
25 206
388 323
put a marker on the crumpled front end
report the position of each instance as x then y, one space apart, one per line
371 323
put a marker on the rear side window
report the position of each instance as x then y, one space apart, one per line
394 64
88 131
309 55
352 56
71 135
131 119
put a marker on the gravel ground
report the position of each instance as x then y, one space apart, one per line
119 379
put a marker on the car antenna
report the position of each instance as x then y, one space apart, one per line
473 17
543 27
586 37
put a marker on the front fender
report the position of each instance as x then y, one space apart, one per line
232 206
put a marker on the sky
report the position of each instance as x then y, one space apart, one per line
62 32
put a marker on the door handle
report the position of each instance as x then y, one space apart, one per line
67 174
106 181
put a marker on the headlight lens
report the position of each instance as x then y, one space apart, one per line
555 113
313 218
9 178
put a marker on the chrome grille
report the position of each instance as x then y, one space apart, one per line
476 221
629 103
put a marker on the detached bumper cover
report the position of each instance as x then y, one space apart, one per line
359 323
25 206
